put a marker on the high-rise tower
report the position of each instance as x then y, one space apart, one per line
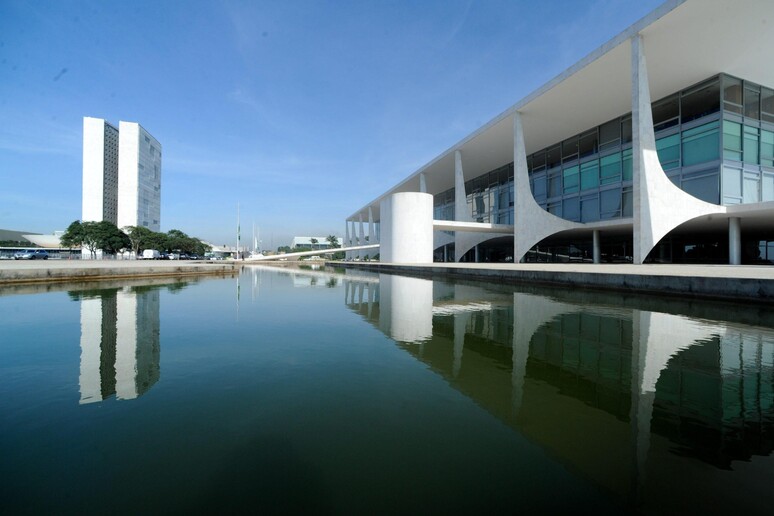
121 174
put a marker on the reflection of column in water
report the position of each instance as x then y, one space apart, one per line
371 299
530 312
460 325
406 308
641 410
137 343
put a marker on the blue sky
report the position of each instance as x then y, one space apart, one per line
300 111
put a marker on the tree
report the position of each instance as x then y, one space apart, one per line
178 241
157 241
109 238
73 236
82 234
333 241
139 236
314 242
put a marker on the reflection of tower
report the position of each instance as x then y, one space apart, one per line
137 343
119 344
98 347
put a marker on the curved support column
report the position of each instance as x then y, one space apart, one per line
407 228
659 205
371 253
347 241
441 238
463 241
531 222
361 237
422 183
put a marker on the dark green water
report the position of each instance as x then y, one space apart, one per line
324 392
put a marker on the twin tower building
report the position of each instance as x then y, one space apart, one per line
121 174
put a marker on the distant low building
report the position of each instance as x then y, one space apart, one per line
47 241
321 242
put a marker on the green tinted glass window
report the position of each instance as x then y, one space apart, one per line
668 149
767 148
701 144
732 140
570 179
590 174
610 169
626 163
732 185
750 145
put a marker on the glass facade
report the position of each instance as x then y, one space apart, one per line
489 198
715 140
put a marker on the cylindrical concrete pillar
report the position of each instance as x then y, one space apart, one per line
735 241
407 228
597 251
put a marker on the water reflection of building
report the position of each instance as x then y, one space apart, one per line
119 343
633 399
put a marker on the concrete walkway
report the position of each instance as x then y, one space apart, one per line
740 283
12 272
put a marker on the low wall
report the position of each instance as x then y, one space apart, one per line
719 283
92 271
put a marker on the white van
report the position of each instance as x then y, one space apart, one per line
150 254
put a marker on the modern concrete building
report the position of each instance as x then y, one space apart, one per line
100 170
121 174
139 178
656 147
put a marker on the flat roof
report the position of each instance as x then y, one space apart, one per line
685 42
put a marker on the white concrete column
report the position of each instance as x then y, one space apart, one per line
659 205
463 241
347 241
735 241
460 196
407 228
361 236
422 183
371 233
597 252
531 222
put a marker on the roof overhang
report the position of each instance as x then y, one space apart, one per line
685 41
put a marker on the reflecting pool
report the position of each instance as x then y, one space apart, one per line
285 390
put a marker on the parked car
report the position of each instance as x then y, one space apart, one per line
150 254
31 254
